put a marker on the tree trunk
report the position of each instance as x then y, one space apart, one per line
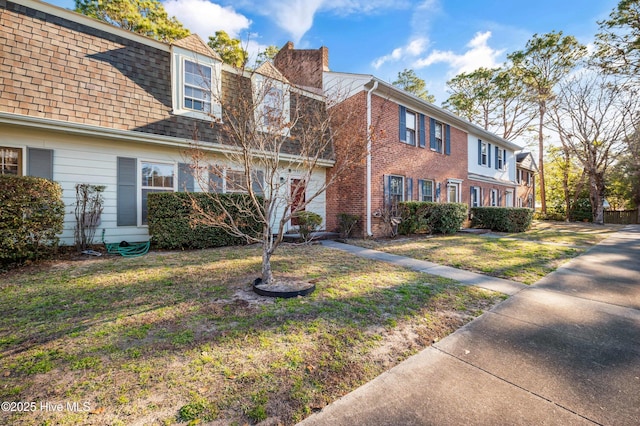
565 185
596 184
543 195
267 273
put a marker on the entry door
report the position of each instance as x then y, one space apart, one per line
298 191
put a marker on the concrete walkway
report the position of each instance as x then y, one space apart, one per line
563 351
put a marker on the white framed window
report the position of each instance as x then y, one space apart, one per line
395 189
494 198
426 189
273 100
501 159
154 177
484 153
411 128
10 161
475 197
196 85
439 137
235 181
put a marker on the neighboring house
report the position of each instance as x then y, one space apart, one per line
82 101
418 151
526 171
492 171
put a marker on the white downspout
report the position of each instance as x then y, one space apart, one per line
375 86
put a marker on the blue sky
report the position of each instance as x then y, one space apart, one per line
436 38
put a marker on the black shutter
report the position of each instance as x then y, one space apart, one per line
497 153
432 133
479 152
185 178
489 155
447 142
127 200
423 135
409 195
40 163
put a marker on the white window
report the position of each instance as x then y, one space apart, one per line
502 155
439 141
236 181
196 81
410 137
494 197
273 101
10 161
155 177
484 154
426 190
475 197
453 192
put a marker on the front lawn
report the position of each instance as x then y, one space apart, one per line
525 257
180 337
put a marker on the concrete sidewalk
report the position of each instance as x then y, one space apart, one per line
563 351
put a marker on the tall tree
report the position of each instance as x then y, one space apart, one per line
545 60
229 49
146 17
409 81
267 55
618 42
492 98
593 117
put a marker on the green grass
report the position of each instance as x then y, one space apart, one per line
525 257
180 337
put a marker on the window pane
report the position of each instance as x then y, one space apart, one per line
10 161
157 175
236 181
411 120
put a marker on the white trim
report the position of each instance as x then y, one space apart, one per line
139 186
258 82
129 136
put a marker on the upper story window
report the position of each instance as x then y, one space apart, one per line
439 136
501 156
273 100
196 85
10 161
484 153
410 137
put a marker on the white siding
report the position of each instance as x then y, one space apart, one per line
509 172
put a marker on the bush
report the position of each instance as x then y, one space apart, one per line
346 223
433 218
502 219
31 216
170 215
308 222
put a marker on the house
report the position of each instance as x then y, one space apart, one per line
526 171
82 101
417 150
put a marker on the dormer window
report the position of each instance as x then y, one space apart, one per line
272 104
197 85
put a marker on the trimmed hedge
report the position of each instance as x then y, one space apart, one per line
170 216
31 216
502 219
433 218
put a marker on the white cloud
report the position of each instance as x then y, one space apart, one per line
205 18
295 16
479 54
414 48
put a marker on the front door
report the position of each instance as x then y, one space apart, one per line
298 191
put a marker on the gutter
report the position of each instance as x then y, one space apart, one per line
368 208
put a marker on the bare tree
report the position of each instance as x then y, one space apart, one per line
593 117
277 141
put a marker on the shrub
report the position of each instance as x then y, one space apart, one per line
433 218
502 219
31 216
346 223
308 222
170 220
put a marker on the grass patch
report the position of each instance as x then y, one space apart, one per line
525 257
180 337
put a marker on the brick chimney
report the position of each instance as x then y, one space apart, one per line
302 67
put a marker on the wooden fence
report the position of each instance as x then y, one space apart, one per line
624 217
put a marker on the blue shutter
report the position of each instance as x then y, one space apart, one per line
387 190
420 190
496 163
479 152
185 178
447 142
471 196
127 197
423 135
432 133
40 163
258 182
403 124
437 197
409 194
